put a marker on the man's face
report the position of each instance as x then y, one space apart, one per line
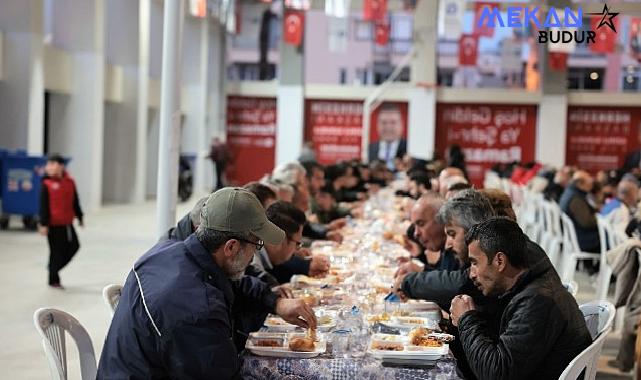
317 180
427 230
282 252
390 125
455 241
236 264
484 273
301 199
54 169
324 201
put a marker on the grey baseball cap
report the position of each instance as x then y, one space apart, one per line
234 209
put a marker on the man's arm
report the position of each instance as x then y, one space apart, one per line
254 295
438 286
531 331
582 213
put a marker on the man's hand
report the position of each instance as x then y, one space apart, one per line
284 291
44 230
297 312
407 268
334 236
398 286
461 304
319 266
337 224
303 252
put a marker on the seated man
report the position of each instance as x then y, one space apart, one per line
574 202
325 206
431 235
620 210
289 219
187 225
179 307
541 328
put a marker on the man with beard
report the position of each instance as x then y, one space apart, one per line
541 327
182 301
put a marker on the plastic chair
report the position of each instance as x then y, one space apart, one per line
111 295
52 325
571 252
572 287
609 239
587 360
552 236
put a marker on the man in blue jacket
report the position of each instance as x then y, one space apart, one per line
180 304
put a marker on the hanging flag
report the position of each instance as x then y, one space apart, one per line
337 34
468 50
606 38
557 61
337 8
374 10
293 26
381 33
483 30
450 19
635 37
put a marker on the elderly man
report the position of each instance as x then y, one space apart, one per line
574 202
541 328
620 210
448 177
182 300
431 235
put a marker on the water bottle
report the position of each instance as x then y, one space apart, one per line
359 333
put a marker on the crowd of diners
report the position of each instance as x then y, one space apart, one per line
189 303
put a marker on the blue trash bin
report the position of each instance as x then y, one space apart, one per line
21 178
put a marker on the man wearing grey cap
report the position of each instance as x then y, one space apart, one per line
175 318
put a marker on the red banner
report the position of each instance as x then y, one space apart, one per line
335 128
635 37
468 50
598 138
488 134
483 30
374 10
606 39
558 61
251 129
293 27
381 33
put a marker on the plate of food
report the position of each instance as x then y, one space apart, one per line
294 345
384 346
411 322
326 320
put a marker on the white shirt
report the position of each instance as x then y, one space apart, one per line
382 151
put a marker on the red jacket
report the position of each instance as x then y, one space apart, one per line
59 201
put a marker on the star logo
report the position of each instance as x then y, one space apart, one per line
606 18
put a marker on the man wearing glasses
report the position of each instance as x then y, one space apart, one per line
289 219
180 306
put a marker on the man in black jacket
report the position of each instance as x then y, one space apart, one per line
182 301
574 202
541 328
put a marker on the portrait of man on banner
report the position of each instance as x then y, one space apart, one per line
389 128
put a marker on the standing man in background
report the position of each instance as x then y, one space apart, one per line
59 204
220 156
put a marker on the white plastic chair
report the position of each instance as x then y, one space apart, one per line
52 325
609 238
571 252
111 296
589 357
552 237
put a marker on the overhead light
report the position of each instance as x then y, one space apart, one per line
629 79
594 75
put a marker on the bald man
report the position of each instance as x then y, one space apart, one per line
620 210
444 176
574 202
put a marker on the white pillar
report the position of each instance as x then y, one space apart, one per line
144 21
422 97
216 93
170 116
22 92
551 130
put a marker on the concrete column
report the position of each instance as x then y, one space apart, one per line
22 86
125 142
81 135
423 77
216 93
290 104
551 127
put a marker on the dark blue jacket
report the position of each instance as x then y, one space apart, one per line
176 317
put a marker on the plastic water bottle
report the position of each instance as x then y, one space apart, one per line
359 333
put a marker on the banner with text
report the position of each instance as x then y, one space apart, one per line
598 138
251 130
488 134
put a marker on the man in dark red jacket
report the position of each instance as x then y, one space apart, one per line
59 205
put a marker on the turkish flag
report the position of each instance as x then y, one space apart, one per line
374 10
635 37
381 33
558 61
293 26
484 30
468 47
606 38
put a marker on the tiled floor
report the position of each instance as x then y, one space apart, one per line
112 240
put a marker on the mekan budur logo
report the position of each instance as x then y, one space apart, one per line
519 17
